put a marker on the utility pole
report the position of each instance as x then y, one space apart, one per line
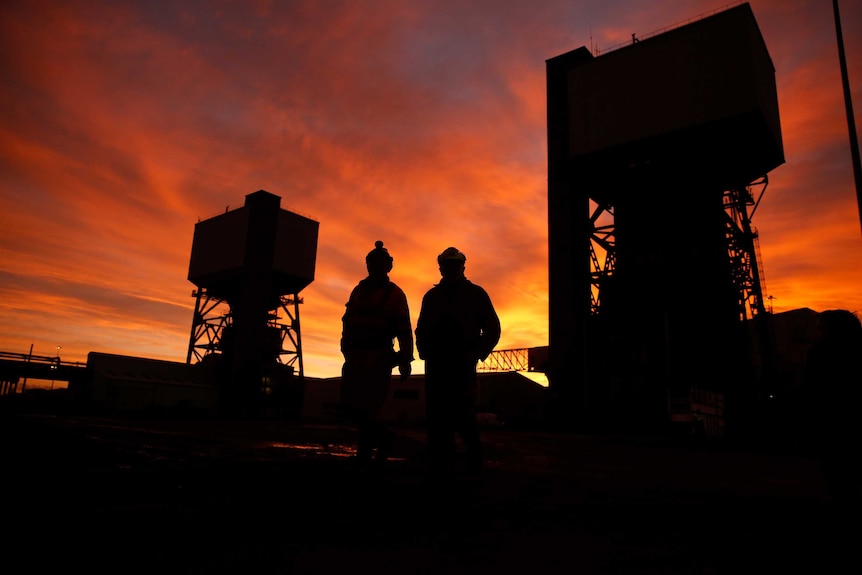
26 369
848 104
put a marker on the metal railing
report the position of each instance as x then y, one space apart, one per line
38 359
598 52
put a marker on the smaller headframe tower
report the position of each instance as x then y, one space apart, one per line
249 266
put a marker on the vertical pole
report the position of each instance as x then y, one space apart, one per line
26 369
848 104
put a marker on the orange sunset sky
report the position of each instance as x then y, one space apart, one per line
422 124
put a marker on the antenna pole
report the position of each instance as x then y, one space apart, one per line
848 104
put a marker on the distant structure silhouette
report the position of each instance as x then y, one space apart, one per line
657 153
529 359
249 265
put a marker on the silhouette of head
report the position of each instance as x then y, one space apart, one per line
378 261
451 263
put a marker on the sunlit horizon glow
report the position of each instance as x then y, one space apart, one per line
420 124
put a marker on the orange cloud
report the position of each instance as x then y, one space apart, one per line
420 124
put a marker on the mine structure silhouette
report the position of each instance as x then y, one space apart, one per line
250 265
659 153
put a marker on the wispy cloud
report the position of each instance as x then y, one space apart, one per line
420 124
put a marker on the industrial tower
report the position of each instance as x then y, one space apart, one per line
658 154
249 266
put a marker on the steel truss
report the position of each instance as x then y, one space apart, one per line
290 354
742 249
506 360
602 252
213 315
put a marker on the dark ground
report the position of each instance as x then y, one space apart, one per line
87 495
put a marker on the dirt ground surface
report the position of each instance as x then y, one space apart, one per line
92 495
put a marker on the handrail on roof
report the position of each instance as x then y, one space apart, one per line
680 24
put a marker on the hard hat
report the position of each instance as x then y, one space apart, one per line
451 254
379 253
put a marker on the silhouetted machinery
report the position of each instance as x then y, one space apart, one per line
656 153
249 265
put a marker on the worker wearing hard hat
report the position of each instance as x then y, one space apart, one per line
457 327
376 315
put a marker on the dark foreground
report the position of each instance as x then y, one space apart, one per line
89 495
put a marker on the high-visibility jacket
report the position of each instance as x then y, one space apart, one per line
376 315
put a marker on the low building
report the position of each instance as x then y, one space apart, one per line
119 383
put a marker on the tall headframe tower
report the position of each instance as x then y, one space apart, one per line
249 265
657 151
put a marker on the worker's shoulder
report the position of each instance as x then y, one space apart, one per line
476 288
397 290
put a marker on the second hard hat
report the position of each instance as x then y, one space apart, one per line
451 254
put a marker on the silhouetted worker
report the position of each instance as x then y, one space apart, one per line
376 314
457 327
833 390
